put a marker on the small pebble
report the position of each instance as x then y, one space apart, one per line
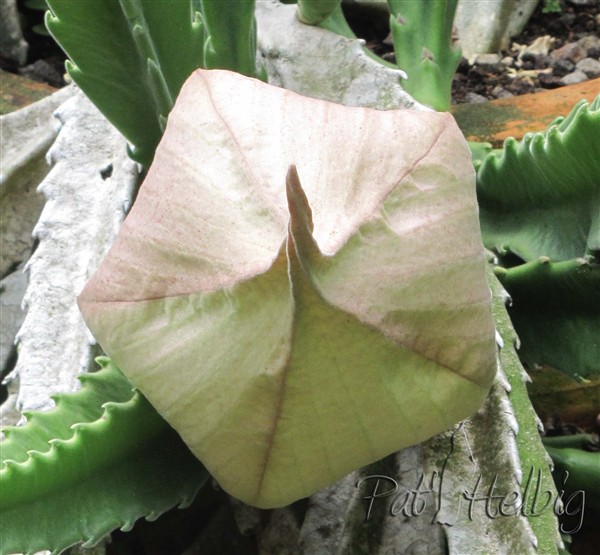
42 71
589 41
489 62
573 78
528 57
567 19
500 92
562 67
594 52
590 67
507 61
571 51
487 59
550 81
474 98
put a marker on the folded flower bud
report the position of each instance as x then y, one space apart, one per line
299 288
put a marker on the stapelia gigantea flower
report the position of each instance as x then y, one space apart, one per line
299 288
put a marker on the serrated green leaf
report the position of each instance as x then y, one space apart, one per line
130 57
540 203
124 465
541 195
556 311
86 405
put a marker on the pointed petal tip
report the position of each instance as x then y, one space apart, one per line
298 205
301 219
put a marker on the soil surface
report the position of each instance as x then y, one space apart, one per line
546 55
520 71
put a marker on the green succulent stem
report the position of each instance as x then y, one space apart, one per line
556 311
556 165
539 206
163 97
531 452
130 57
422 34
231 32
313 12
575 441
100 460
336 23
577 471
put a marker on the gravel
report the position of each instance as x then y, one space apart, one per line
573 78
589 66
556 49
